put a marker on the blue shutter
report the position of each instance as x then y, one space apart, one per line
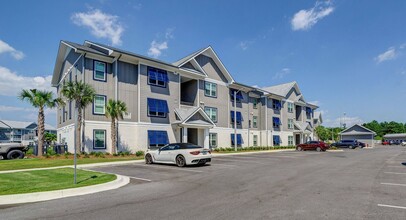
232 116
309 110
238 96
232 138
239 117
152 137
239 139
164 106
276 120
276 139
152 73
152 105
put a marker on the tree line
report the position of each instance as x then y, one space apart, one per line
380 128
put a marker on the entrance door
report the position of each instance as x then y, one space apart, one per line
192 136
298 139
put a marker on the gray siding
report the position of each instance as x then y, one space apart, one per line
210 67
128 88
220 102
170 93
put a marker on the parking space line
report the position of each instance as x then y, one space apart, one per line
394 184
399 166
220 164
392 206
169 168
241 161
395 173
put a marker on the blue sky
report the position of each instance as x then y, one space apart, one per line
347 56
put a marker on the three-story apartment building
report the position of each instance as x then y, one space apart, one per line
194 100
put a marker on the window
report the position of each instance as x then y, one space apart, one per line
276 140
255 103
157 77
210 89
276 122
99 139
238 97
157 108
290 141
290 107
70 109
309 112
290 123
99 105
239 139
255 141
276 104
99 72
239 117
254 121
212 113
157 138
213 140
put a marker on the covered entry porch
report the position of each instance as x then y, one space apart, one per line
194 126
302 133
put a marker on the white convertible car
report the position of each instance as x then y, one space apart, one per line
181 154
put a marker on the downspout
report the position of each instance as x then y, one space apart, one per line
249 124
116 95
266 119
83 111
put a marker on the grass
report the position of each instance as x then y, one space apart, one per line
47 180
54 162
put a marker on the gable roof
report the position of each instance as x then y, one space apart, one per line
347 132
208 51
22 125
302 126
185 114
282 89
317 115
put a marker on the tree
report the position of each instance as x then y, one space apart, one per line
49 137
40 99
115 110
82 95
323 133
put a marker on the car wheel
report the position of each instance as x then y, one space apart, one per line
318 149
15 154
180 161
299 149
351 147
148 159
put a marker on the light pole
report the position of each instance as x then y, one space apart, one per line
235 119
74 145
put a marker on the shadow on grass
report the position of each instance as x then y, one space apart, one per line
92 177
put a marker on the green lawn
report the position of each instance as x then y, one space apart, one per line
42 163
47 180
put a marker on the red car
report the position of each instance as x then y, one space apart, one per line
385 143
313 145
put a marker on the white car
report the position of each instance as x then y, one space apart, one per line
403 143
181 154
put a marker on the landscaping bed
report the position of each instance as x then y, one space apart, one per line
250 149
64 160
48 180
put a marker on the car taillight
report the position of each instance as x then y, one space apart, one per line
195 152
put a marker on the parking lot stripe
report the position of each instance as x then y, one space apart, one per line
399 166
392 206
169 168
394 184
395 173
220 164
241 161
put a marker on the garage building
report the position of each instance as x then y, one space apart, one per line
359 133
398 138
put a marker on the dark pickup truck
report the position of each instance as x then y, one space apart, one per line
12 151
346 143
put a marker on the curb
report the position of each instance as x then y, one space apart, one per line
58 194
252 152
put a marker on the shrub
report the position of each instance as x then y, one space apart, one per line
139 153
115 155
50 151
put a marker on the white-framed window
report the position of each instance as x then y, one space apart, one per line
255 140
210 89
213 140
99 105
290 123
212 113
290 107
254 121
157 77
255 103
99 139
290 140
99 72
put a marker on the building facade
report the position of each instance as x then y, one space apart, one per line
21 132
194 100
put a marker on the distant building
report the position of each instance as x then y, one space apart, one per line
398 138
359 133
21 131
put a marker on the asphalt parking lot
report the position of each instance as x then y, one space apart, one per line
353 184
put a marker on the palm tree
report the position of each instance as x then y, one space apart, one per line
40 99
82 95
115 110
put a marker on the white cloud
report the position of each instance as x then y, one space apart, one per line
305 19
244 45
390 54
281 74
6 48
101 25
156 48
5 108
348 121
11 83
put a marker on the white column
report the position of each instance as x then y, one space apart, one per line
206 138
184 135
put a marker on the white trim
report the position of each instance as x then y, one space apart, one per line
94 71
195 63
104 48
216 81
67 71
139 93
